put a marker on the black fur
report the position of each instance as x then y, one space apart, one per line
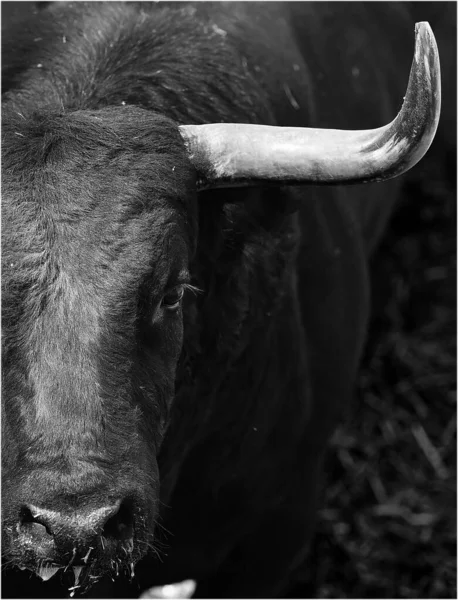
101 220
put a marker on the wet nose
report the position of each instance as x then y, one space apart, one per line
52 534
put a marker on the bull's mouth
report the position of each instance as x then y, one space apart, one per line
79 579
105 558
80 570
73 578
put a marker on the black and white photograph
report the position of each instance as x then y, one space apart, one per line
229 297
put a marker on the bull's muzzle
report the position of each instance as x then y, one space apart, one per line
88 540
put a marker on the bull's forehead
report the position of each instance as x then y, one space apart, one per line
109 178
88 193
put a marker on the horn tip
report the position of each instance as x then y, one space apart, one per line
424 35
423 28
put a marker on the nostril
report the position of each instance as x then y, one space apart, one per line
120 526
25 515
31 519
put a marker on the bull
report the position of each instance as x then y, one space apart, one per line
185 279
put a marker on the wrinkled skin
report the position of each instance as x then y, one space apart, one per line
138 422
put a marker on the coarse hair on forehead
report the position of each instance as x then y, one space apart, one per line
116 163
79 138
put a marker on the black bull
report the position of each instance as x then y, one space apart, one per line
142 431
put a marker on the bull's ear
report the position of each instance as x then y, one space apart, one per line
231 155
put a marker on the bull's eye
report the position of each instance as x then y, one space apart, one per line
172 300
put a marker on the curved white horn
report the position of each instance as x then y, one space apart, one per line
233 154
